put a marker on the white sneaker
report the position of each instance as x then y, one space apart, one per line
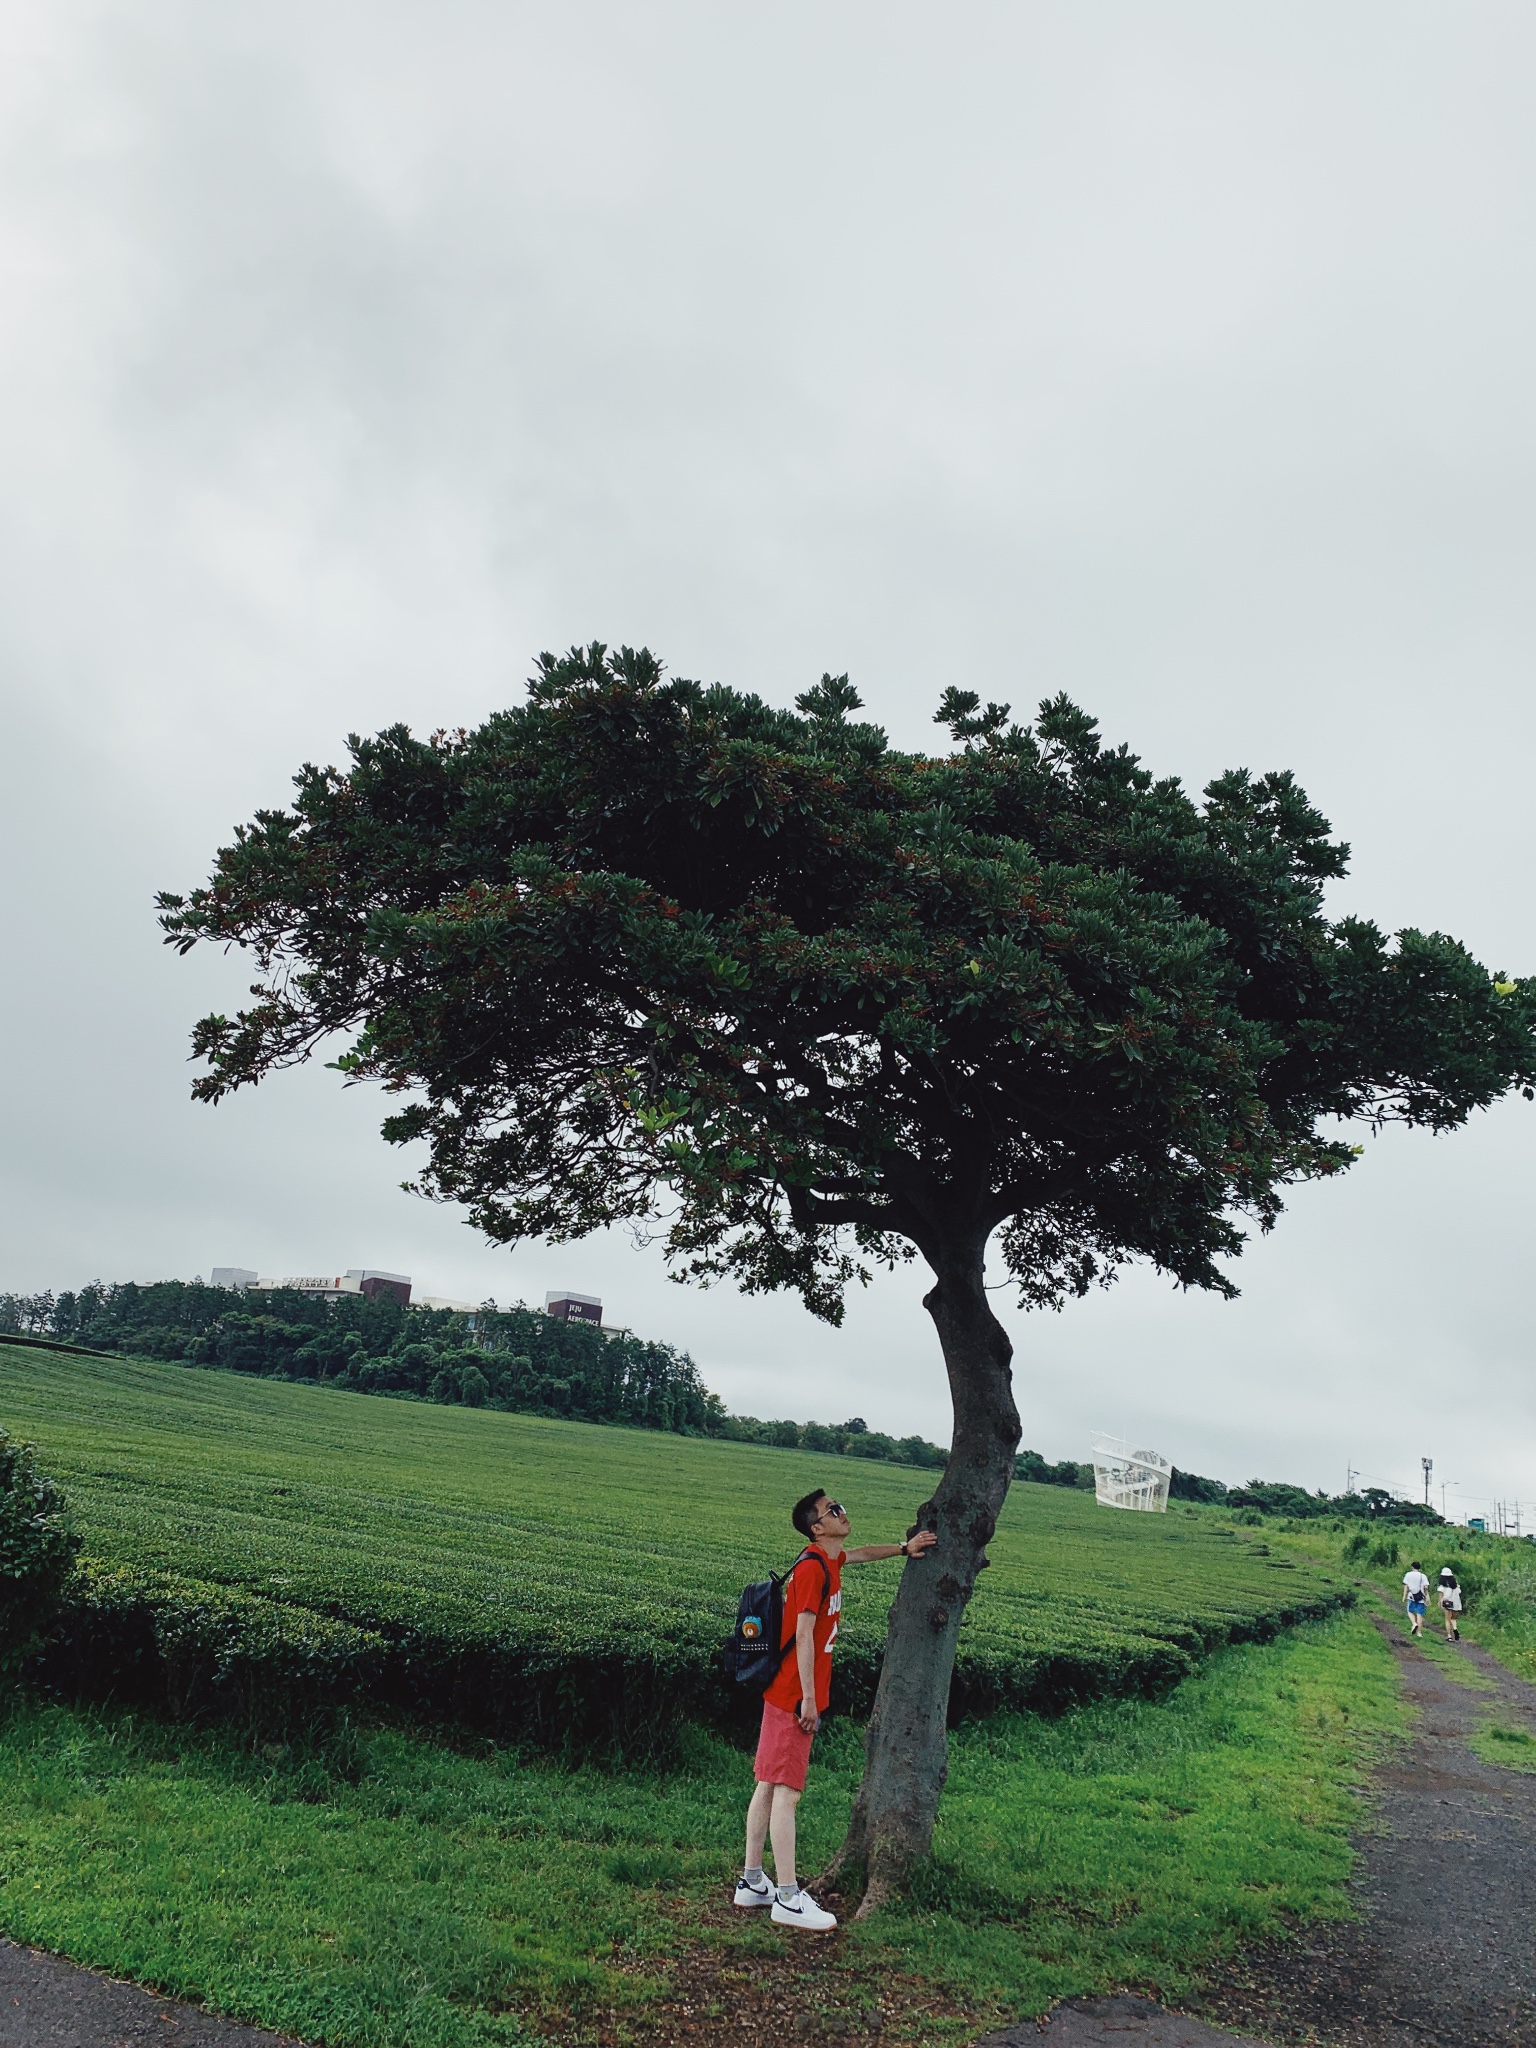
760 1894
802 1911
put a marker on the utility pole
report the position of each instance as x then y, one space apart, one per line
1429 1466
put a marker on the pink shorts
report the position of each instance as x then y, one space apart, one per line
783 1750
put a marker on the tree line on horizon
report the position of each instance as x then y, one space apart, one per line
522 1361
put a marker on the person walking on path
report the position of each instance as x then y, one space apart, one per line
1416 1595
796 1699
1450 1603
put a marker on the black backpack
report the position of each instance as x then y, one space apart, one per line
754 1652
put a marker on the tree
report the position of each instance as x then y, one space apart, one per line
1190 1486
800 1004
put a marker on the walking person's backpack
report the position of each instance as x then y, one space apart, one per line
755 1650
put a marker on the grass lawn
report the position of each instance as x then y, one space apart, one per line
1508 1631
428 1898
1512 1749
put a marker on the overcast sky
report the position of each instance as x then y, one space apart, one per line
1177 356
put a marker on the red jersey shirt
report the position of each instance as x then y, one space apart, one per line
808 1591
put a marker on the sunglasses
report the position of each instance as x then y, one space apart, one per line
832 1512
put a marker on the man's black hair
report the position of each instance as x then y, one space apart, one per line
803 1513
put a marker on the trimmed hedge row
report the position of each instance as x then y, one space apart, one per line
994 1672
195 1650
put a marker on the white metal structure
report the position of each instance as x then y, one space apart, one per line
1124 1477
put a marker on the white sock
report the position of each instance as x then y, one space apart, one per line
788 1893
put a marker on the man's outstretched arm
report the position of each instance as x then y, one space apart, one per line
871 1553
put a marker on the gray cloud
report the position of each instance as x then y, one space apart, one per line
1173 356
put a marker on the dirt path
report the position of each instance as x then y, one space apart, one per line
45 2003
1123 2022
1446 1954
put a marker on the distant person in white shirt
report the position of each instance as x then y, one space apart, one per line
1450 1603
1416 1594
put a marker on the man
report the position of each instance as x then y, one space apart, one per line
796 1699
1415 1593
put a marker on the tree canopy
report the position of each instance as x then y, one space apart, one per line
795 1000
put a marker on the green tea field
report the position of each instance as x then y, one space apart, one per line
533 1576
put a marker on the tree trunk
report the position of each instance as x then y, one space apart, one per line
907 1747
